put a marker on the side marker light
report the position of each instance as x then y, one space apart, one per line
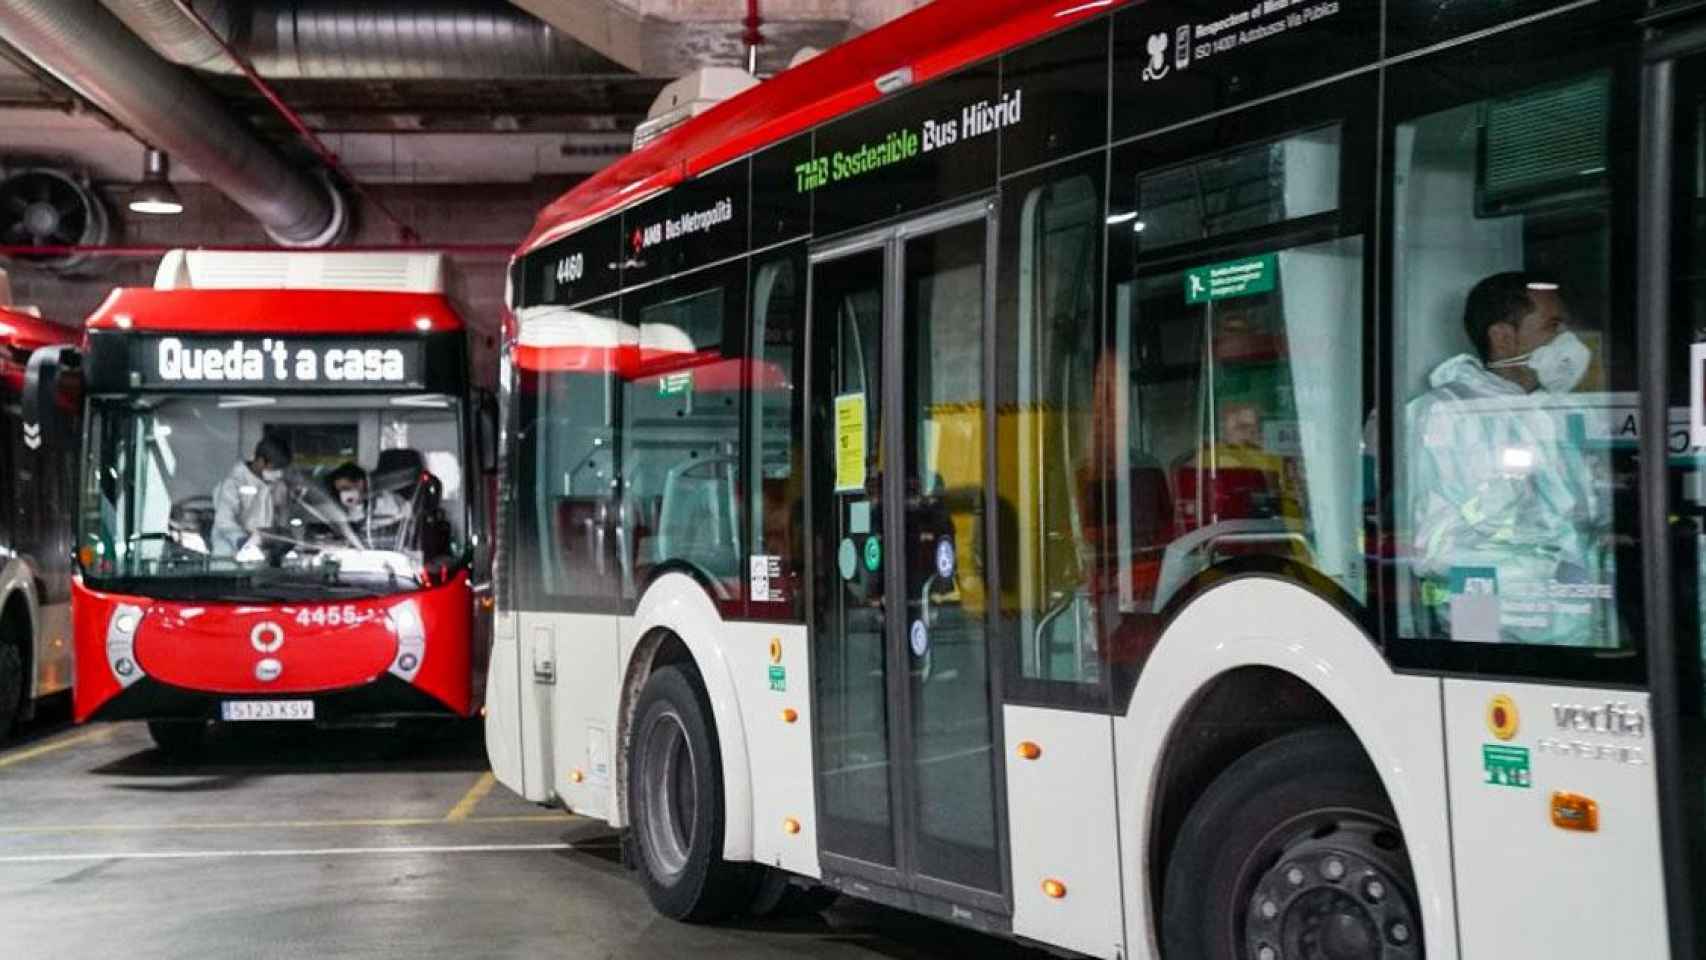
790 826
1029 750
1054 889
1572 811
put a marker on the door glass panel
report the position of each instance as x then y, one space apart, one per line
849 662
1687 481
943 557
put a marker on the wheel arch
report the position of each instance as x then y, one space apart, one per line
1221 682
678 622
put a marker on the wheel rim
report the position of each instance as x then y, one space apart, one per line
671 794
1330 886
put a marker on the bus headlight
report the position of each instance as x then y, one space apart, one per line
121 644
411 640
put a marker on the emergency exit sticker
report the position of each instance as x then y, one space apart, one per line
1506 766
1234 278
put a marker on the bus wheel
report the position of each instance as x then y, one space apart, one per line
12 683
675 798
1293 852
179 739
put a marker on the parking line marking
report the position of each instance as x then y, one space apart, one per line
99 733
277 824
472 798
302 852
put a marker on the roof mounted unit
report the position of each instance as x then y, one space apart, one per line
688 97
309 270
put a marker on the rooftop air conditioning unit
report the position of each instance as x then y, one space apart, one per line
690 96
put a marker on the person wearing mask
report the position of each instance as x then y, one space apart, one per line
244 503
1507 529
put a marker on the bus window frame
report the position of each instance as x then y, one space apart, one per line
1523 60
1351 104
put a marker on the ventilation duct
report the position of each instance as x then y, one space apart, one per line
90 51
362 39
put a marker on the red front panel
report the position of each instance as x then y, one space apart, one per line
220 648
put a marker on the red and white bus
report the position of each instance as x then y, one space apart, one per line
35 572
1185 492
282 500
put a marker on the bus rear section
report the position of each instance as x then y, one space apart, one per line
280 507
35 574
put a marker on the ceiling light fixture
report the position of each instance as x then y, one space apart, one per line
155 194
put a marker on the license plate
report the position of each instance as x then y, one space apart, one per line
267 710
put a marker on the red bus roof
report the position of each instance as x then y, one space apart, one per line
330 312
935 39
25 332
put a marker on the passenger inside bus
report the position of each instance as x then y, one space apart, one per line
1505 519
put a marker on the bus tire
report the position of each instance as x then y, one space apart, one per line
675 803
12 685
179 739
1294 848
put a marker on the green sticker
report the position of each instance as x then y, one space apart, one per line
675 383
779 679
1506 766
873 553
1234 278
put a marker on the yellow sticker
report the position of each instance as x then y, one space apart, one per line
850 443
1502 717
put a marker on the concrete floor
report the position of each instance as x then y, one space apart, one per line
307 845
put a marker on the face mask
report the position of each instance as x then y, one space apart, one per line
272 476
350 498
1560 363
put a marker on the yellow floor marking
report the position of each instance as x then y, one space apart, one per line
98 733
472 798
277 824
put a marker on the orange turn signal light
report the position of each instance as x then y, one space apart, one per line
1029 750
790 826
789 715
1572 811
1054 889
487 603
577 776
86 556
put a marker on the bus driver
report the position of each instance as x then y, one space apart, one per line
1502 505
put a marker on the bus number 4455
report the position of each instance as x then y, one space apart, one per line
328 616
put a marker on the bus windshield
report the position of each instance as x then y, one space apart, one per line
219 496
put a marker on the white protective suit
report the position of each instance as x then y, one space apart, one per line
1496 482
242 505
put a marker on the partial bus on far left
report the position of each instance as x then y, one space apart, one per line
283 494
35 529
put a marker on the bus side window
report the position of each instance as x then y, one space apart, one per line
776 472
1509 525
682 489
1051 518
1237 369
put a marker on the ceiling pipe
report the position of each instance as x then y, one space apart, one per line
91 52
361 39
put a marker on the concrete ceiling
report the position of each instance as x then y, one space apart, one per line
438 130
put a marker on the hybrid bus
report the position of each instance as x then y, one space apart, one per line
1208 480
35 572
282 495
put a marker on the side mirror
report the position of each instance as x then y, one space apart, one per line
43 416
486 431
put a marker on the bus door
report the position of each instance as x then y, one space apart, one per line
1674 485
907 768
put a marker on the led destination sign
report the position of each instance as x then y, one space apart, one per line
330 364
